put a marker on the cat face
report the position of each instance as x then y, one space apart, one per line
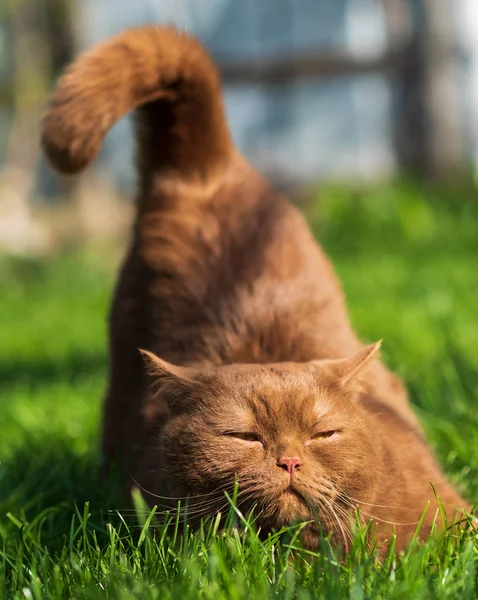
293 436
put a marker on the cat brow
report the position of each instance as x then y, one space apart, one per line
259 405
322 408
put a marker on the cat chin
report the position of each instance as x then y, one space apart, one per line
292 498
291 508
309 536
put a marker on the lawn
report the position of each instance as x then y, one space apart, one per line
407 257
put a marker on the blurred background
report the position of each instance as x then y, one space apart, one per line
363 111
315 90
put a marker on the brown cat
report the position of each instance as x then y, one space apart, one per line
225 282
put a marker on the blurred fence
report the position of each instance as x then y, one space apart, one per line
313 89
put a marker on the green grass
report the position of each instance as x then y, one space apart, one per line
408 261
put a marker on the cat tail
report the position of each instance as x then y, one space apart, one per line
170 81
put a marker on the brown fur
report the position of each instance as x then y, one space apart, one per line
224 278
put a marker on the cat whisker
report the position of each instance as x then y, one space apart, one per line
192 517
343 492
211 506
204 513
349 517
340 524
375 518
177 498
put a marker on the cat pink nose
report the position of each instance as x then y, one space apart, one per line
289 464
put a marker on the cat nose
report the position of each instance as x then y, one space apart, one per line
289 464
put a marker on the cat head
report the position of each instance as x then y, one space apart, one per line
293 436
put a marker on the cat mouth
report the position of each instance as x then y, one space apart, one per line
292 494
293 507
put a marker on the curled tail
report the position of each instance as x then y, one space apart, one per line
169 79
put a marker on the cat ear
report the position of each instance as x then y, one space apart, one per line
176 382
347 369
161 369
354 365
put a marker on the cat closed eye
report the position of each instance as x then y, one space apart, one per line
246 436
323 435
